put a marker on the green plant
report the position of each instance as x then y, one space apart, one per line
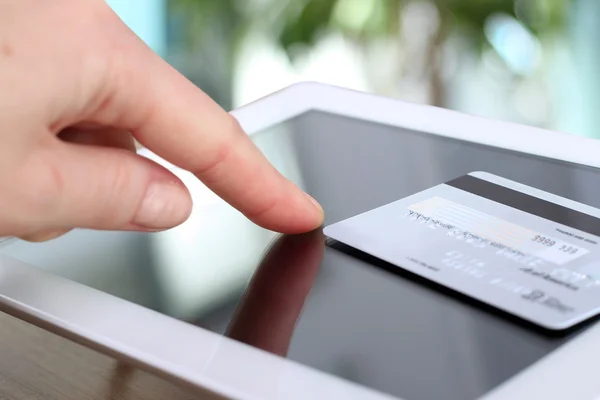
304 21
298 25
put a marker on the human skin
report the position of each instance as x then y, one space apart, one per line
76 87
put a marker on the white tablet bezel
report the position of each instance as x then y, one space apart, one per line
204 359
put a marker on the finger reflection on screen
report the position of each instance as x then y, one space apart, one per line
272 303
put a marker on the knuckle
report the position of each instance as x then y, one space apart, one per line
206 168
48 185
264 210
115 207
222 150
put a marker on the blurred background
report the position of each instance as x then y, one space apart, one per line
528 61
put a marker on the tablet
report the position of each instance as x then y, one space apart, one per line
241 312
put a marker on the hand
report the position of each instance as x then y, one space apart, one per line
76 87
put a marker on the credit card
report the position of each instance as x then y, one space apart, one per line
524 251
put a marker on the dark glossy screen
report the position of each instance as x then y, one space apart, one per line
318 305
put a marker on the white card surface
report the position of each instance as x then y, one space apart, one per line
527 252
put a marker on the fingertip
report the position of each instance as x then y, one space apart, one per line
320 214
294 214
311 215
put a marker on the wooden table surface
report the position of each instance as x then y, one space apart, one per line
36 364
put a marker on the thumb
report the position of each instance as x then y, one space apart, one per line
99 188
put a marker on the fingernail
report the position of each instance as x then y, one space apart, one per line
316 204
167 204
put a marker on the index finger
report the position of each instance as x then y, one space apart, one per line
177 121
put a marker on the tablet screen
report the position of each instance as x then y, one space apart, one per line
325 306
